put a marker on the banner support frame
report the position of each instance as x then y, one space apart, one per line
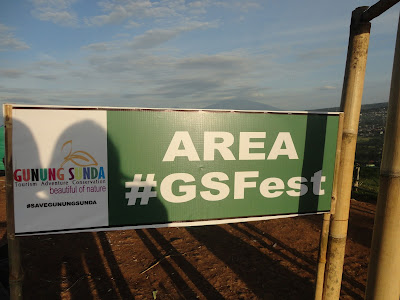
14 251
323 243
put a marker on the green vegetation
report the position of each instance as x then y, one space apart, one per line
369 150
368 185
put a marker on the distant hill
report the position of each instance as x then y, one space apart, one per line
241 105
374 106
364 107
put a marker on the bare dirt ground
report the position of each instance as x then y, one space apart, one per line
273 259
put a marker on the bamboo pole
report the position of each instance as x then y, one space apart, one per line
14 256
384 266
323 244
323 247
351 105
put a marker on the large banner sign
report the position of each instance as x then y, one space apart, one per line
78 169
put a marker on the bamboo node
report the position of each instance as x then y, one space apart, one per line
15 281
390 174
349 134
11 236
338 239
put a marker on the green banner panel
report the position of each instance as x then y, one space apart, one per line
170 166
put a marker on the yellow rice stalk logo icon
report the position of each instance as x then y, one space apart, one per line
79 158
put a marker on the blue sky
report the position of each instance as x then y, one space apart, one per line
189 54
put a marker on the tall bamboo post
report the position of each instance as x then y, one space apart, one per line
323 241
14 253
351 105
323 248
384 266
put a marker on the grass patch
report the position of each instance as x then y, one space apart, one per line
368 186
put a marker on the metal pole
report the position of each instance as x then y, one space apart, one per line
14 252
351 105
384 266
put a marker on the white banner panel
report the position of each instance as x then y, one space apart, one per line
63 158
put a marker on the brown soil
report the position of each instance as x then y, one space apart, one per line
273 259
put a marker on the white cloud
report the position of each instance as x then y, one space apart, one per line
57 17
56 11
216 63
155 37
49 63
321 53
167 79
191 87
46 77
243 6
11 73
8 42
118 11
327 29
132 24
198 7
150 38
99 47
327 88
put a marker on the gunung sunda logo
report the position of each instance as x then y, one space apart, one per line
84 169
